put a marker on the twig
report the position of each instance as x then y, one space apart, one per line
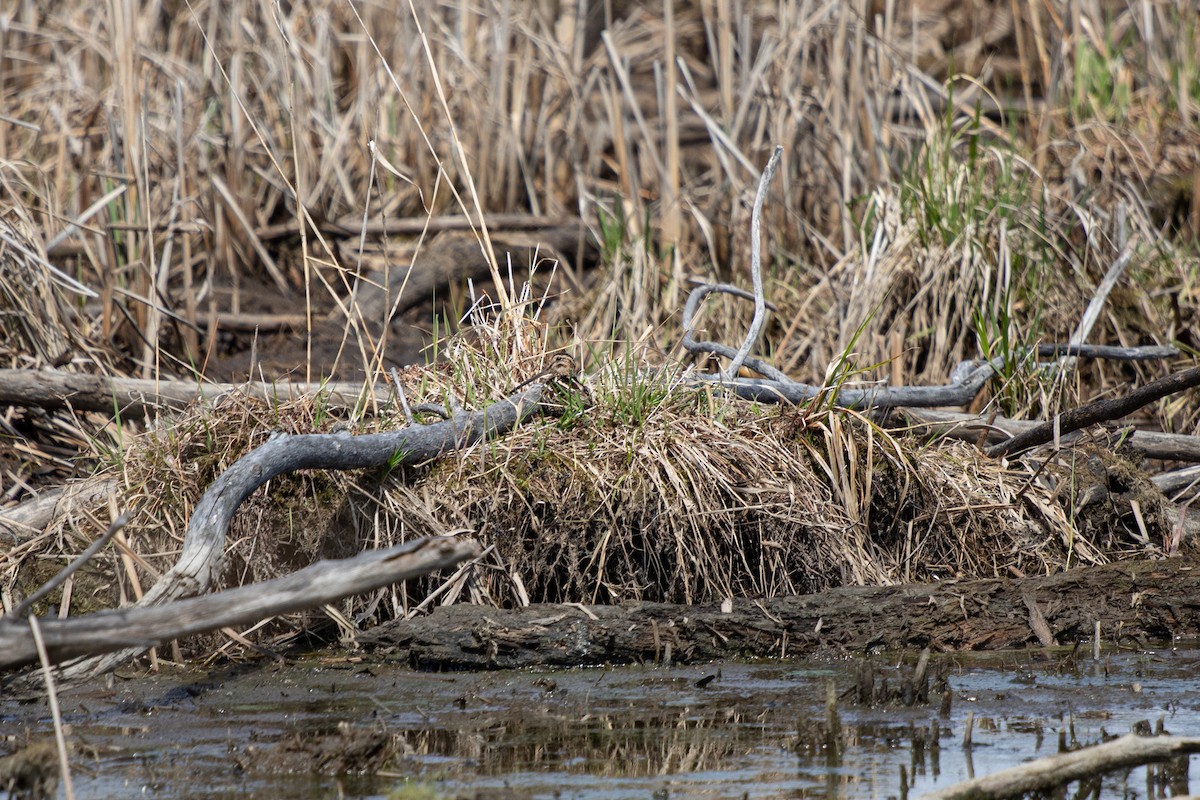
693 346
52 584
1092 313
1098 411
398 388
1060 769
760 303
1110 352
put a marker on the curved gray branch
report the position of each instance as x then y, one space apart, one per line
690 343
760 302
204 543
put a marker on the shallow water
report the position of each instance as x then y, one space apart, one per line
729 730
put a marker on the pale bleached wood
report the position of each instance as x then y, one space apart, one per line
144 627
1057 770
970 427
53 389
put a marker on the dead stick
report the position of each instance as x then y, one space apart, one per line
968 427
311 587
1099 411
1057 770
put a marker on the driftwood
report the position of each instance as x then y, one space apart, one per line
204 542
53 389
973 428
31 517
1058 770
1099 411
146 627
1132 601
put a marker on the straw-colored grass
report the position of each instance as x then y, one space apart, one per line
636 488
957 179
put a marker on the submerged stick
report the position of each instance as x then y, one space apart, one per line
1057 770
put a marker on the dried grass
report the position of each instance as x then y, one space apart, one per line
957 178
639 489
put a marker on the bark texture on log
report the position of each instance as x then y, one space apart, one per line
1133 601
54 389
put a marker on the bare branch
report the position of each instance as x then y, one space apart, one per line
1099 411
760 303
144 627
1062 768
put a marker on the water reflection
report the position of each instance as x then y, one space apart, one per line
779 729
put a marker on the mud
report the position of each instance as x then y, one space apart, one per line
328 725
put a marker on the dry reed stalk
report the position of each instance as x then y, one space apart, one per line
225 123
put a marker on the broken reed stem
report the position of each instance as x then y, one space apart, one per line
52 697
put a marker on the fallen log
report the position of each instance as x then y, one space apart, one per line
1134 602
974 428
1103 410
29 519
53 389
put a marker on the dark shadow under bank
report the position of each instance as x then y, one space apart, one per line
1134 602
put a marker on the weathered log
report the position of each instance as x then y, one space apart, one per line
30 518
971 427
1102 410
1132 601
311 587
53 389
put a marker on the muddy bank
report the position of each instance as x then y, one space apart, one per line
1134 602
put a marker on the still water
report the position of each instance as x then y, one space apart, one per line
330 727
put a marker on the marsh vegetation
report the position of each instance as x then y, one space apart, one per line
444 198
